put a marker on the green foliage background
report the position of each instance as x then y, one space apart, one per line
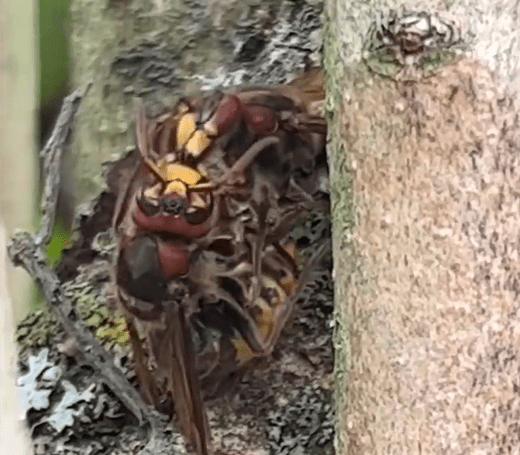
54 81
54 64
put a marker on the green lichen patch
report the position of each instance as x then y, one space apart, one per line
89 293
38 329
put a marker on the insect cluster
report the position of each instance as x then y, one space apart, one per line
205 268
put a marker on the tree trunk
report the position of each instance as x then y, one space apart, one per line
425 177
10 423
18 162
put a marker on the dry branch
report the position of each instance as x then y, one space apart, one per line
51 155
29 252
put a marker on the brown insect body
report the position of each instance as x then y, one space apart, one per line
205 268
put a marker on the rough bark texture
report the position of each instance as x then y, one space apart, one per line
425 229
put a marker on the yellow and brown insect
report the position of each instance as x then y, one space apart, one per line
205 267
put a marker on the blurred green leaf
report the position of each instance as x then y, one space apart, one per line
59 240
54 65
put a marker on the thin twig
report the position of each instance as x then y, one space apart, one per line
28 252
24 252
51 155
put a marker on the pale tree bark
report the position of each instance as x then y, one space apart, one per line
18 189
425 178
18 160
10 420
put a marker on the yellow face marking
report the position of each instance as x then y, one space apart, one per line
176 187
174 179
180 172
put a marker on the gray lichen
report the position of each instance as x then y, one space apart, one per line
64 413
37 384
